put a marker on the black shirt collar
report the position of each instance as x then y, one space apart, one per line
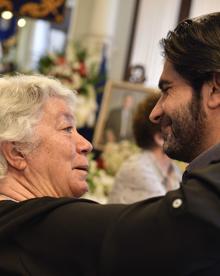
205 158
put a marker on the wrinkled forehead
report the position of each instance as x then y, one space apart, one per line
58 108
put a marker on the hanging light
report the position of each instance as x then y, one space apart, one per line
6 15
21 22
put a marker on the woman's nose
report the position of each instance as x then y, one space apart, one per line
83 144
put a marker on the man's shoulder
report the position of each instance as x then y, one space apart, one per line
202 191
168 228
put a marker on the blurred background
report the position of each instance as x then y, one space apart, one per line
86 44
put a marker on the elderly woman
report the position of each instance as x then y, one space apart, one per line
36 116
43 166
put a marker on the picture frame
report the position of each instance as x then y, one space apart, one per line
116 93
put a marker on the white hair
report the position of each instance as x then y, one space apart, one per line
21 100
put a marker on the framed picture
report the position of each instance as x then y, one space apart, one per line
114 122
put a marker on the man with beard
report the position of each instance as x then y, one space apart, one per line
178 234
182 116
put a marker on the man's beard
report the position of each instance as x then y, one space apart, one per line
184 142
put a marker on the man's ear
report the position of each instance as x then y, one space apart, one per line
13 156
214 95
158 139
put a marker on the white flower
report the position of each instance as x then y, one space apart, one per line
76 82
115 154
85 110
77 70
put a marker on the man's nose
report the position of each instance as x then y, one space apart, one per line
155 114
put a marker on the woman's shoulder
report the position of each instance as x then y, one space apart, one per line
140 161
28 210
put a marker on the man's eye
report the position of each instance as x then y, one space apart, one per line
165 90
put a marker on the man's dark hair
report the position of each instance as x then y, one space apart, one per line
143 129
194 49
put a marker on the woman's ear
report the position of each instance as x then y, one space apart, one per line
13 156
214 94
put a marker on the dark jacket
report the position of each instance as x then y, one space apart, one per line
178 234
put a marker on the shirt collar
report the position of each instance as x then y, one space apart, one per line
205 158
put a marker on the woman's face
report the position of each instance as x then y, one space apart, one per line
59 163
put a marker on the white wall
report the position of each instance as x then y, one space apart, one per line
156 18
200 7
121 39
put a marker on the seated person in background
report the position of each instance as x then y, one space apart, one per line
151 172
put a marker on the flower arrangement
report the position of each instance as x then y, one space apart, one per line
79 72
101 177
99 181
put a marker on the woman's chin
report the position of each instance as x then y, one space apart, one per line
80 190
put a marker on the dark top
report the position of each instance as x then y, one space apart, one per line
49 237
178 234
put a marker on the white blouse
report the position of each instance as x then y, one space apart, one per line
141 177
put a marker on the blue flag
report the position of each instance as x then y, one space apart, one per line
102 74
7 28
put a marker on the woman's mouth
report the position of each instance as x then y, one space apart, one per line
82 168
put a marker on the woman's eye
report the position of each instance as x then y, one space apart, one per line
69 129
